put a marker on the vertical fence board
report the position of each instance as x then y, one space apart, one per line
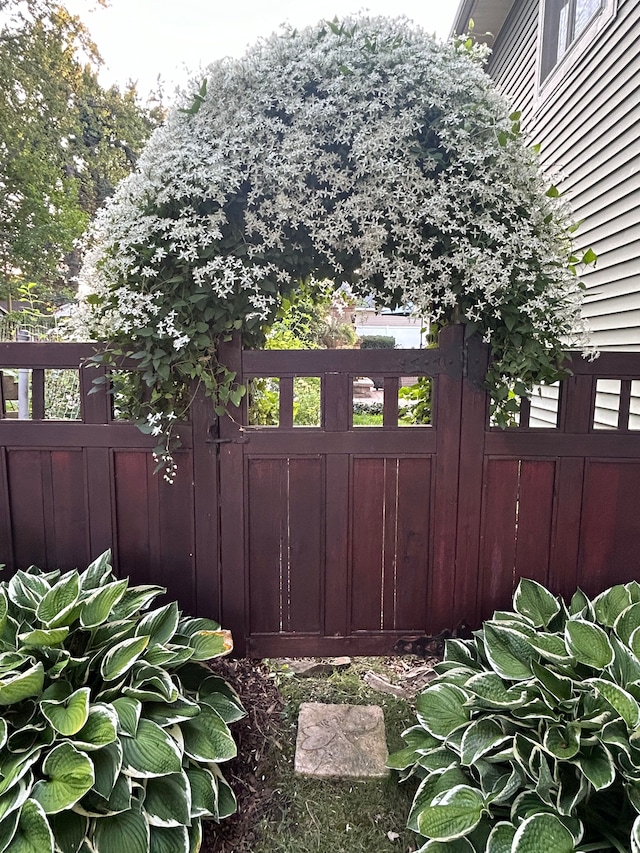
337 591
412 549
498 548
6 535
267 543
390 543
306 548
68 510
27 509
368 534
132 514
535 519
173 563
565 544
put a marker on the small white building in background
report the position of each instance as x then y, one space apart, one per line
410 332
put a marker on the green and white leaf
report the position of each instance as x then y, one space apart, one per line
160 625
67 716
452 814
480 737
542 833
501 838
128 832
442 708
69 830
122 656
68 776
535 602
167 800
152 752
14 687
128 711
588 643
97 608
619 699
173 840
207 737
627 622
509 652
610 604
33 834
58 607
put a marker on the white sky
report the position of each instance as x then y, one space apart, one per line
141 39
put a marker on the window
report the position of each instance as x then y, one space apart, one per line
564 22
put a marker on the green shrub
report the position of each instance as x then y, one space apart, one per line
113 725
528 740
377 342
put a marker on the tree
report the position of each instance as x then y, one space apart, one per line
65 142
363 152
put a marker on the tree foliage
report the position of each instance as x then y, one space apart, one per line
364 152
65 141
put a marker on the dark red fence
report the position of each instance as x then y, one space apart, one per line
318 537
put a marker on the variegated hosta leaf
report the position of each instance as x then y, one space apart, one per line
121 657
68 776
160 625
552 647
215 692
118 801
559 686
128 832
172 840
8 827
152 752
14 687
107 764
59 606
501 838
456 845
535 602
46 637
563 741
69 830
97 573
441 709
67 716
579 602
491 690
33 834
136 598
623 702
100 728
167 800
588 643
97 608
452 814
542 833
635 836
596 762
480 737
15 796
128 711
13 768
169 713
207 737
434 784
204 792
509 651
151 683
610 604
26 591
627 622
227 804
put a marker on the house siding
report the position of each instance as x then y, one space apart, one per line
586 123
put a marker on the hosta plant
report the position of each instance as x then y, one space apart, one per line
113 724
528 739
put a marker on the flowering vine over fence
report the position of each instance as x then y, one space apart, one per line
364 152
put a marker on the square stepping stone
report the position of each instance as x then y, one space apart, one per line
341 742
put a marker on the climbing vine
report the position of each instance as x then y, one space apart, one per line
364 152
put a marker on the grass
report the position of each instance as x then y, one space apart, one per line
322 816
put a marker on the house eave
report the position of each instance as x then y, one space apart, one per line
488 18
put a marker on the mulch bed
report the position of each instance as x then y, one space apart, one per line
261 726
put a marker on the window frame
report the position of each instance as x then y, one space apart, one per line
549 76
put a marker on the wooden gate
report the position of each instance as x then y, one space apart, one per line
333 538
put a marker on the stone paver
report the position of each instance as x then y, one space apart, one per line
341 742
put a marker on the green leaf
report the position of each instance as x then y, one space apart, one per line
441 709
619 699
452 814
627 622
172 840
509 652
207 737
588 643
128 832
128 711
99 605
58 607
107 763
152 752
492 693
215 692
456 845
167 800
480 737
68 715
501 838
160 625
597 765
535 602
210 644
610 604
97 573
204 792
69 830
635 836
22 685
42 637
552 647
70 775
122 657
100 729
563 741
33 834
542 833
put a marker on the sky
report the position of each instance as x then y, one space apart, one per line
141 39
